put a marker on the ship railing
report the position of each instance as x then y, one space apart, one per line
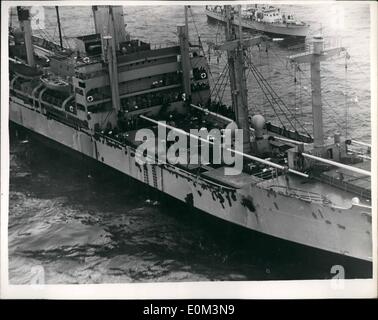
89 75
163 45
332 42
89 60
155 158
307 196
265 175
110 140
349 187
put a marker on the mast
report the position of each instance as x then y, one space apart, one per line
238 85
317 112
235 47
112 61
59 27
183 34
231 58
314 58
24 18
186 22
109 46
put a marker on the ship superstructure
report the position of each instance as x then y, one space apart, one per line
94 100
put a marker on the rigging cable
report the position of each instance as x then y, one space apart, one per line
225 85
347 56
255 106
325 102
267 98
300 92
198 34
50 24
328 110
308 91
224 81
201 47
276 98
44 34
295 91
217 82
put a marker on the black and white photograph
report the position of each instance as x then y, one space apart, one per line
199 148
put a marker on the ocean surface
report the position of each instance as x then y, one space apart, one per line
73 222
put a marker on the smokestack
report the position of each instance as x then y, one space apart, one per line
24 18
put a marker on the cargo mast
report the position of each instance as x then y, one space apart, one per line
235 46
314 58
183 34
109 24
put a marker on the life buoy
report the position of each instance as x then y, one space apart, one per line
86 60
203 75
90 99
71 108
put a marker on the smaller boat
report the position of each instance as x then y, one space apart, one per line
56 83
266 19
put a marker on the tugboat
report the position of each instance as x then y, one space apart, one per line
294 186
265 19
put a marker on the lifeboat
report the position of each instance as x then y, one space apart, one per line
56 83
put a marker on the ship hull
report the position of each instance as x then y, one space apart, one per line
279 30
346 232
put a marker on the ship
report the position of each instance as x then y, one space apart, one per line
295 186
264 19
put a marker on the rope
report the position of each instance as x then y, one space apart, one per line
297 68
217 33
64 38
359 67
266 96
255 106
295 90
44 34
225 85
300 93
346 95
276 98
201 47
224 82
325 102
217 82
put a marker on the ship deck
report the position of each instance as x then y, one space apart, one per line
214 174
337 185
348 180
237 181
309 188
